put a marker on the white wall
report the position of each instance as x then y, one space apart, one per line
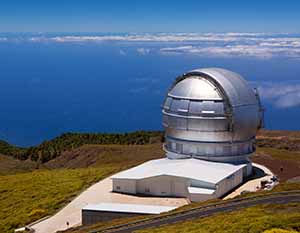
229 183
157 185
163 186
176 186
124 185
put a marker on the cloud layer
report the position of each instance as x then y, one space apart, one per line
259 45
281 95
257 50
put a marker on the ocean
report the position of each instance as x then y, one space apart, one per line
51 86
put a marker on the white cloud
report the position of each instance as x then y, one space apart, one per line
258 50
176 37
261 45
143 51
281 95
38 39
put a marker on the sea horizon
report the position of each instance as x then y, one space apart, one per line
53 83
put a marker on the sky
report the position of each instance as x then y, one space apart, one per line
149 16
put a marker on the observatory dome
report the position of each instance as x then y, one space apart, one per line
211 114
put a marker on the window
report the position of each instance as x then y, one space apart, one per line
147 190
118 187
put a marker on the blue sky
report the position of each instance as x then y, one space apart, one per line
149 16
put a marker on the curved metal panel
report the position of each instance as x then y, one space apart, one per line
236 88
195 87
211 114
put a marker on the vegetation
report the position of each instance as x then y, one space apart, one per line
281 187
279 134
281 154
103 155
10 165
284 140
51 149
26 197
11 150
264 218
280 143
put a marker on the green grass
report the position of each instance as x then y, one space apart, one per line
124 220
29 196
26 197
251 220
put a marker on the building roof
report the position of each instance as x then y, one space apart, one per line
129 208
211 172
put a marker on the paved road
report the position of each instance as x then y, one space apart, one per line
203 212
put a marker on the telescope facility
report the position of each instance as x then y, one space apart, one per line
211 117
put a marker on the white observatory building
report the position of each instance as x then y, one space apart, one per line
210 117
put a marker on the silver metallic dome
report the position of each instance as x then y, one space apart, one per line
211 114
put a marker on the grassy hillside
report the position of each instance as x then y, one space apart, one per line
26 197
266 214
263 218
10 165
48 150
77 161
279 133
103 155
